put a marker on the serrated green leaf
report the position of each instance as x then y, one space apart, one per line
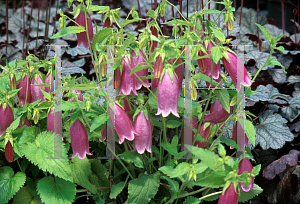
101 119
117 189
207 157
255 171
172 149
68 30
180 170
191 200
138 68
217 54
42 151
229 142
272 61
10 183
98 8
265 32
223 97
173 124
250 131
210 11
100 36
245 196
174 187
130 21
214 180
56 190
143 189
134 157
205 78
219 35
81 171
98 170
29 134
25 197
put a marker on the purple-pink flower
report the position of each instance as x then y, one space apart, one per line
217 113
82 37
234 67
123 124
79 140
144 72
230 196
245 165
128 83
143 138
167 95
6 118
36 92
25 91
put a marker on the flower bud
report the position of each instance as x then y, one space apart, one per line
9 152
6 118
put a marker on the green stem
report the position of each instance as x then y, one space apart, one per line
177 10
262 66
19 166
160 150
192 193
206 196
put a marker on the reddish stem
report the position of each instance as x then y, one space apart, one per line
140 14
172 9
202 8
295 13
242 2
155 4
257 23
197 4
282 15
209 8
6 19
180 8
187 9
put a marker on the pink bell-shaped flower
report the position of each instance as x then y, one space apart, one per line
127 107
167 95
107 23
123 124
245 165
24 82
143 128
246 143
205 134
50 80
217 113
50 121
128 83
158 66
103 134
82 37
216 67
233 67
136 61
26 122
230 196
6 118
153 43
154 83
80 97
36 92
179 72
79 140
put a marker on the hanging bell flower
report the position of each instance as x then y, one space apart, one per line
26 122
246 142
36 92
107 23
179 72
49 80
167 95
234 66
154 84
205 134
153 43
82 37
230 196
79 140
217 113
103 134
123 124
245 165
25 93
159 65
127 107
142 73
6 118
9 152
128 83
142 126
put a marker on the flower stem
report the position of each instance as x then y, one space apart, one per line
262 66
206 196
